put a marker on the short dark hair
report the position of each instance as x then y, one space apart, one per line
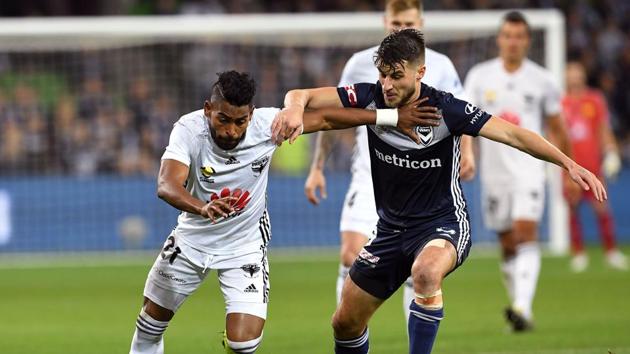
400 46
237 89
517 17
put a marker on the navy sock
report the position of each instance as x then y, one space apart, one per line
359 345
423 326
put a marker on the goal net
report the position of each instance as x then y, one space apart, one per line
87 105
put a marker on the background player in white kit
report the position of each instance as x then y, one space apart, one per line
358 217
513 183
215 171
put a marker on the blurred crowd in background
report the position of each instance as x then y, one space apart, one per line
82 113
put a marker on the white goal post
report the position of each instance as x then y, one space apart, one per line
322 30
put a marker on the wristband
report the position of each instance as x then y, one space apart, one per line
387 117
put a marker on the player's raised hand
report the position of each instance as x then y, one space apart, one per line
288 125
315 180
587 181
415 114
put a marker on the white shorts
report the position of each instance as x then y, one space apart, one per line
503 204
180 269
359 210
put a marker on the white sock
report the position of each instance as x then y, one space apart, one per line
148 337
248 347
409 295
507 268
341 278
526 269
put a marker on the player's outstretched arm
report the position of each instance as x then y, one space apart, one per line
405 118
295 102
533 144
171 179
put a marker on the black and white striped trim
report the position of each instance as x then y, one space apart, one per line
425 317
265 273
145 326
264 226
354 343
459 202
247 350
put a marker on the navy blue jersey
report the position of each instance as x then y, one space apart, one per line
415 184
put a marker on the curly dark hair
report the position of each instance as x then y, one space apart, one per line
398 47
238 89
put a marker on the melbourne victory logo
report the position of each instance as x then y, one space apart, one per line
425 134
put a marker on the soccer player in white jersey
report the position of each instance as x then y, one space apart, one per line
215 170
423 228
358 217
513 183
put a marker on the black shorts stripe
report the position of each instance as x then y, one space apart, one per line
265 275
264 226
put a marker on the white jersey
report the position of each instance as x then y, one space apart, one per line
242 172
524 98
440 74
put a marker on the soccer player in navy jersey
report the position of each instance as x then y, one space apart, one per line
423 226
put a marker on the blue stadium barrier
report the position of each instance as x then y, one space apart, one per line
59 214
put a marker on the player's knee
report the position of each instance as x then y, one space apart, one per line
524 231
346 326
244 335
426 276
243 328
239 346
508 252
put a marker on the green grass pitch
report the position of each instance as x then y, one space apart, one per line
91 310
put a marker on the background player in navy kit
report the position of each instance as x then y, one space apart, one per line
423 227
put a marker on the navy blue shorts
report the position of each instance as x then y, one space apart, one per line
384 264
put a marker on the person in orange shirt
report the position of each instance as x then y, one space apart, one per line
594 147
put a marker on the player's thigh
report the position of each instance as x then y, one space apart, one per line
355 309
359 211
496 201
174 276
436 259
437 251
527 210
382 266
244 282
351 244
